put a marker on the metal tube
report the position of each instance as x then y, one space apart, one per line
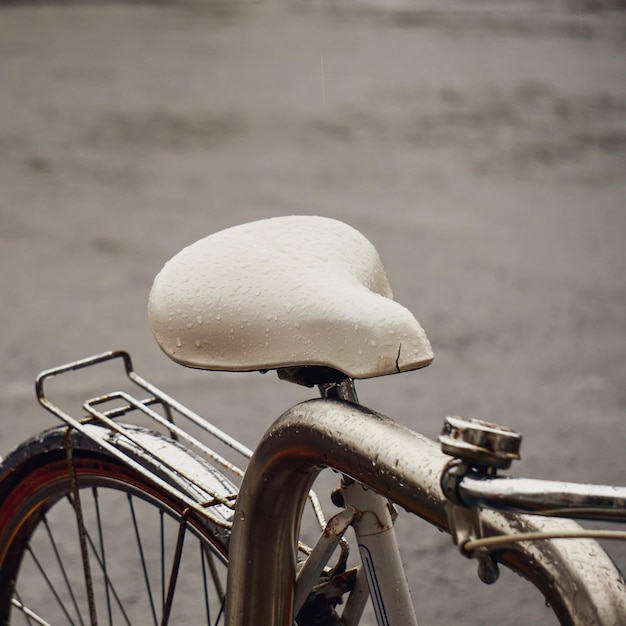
406 467
361 444
380 556
530 495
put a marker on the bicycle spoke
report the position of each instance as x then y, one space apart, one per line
80 522
207 558
205 581
217 583
207 608
142 558
110 587
221 612
167 608
27 613
162 536
17 602
50 585
62 568
102 559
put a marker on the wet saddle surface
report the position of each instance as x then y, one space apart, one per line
281 293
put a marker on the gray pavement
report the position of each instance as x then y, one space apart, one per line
481 148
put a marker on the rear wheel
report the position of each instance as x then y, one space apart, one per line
122 552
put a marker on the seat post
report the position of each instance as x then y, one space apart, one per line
343 390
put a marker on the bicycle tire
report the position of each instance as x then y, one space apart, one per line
130 523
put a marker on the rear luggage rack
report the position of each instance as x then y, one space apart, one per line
139 451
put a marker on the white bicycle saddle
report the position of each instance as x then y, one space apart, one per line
286 292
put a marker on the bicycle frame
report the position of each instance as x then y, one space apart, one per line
397 463
382 462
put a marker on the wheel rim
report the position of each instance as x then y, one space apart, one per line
147 559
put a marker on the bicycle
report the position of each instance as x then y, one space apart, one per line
309 298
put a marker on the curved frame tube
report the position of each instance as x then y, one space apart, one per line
405 467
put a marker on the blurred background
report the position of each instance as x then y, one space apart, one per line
480 145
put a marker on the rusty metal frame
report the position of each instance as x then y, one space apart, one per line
405 467
578 579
